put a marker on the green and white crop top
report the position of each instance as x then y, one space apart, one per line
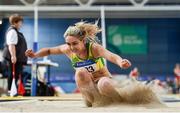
91 64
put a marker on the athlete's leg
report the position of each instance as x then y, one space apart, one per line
85 84
106 86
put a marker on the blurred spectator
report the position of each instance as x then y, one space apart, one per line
177 77
134 73
14 48
170 85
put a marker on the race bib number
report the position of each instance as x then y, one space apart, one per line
91 68
89 65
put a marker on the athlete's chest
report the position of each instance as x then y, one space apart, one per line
90 65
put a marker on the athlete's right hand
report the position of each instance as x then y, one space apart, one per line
30 53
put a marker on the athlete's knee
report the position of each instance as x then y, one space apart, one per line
82 75
104 84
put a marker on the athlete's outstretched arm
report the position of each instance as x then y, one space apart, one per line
100 51
46 51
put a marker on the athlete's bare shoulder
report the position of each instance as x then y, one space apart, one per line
97 49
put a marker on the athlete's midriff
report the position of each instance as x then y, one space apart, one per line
101 73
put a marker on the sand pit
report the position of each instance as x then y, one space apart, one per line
74 103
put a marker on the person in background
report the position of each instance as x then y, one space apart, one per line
134 73
170 85
15 47
177 77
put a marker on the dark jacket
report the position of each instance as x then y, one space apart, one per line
21 47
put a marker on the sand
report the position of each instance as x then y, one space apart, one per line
74 103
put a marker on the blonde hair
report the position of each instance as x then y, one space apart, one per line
83 30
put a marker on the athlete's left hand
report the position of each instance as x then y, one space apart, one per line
125 64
